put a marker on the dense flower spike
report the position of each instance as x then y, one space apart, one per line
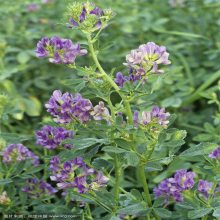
172 188
156 115
215 153
147 58
66 108
36 188
18 152
60 51
52 137
204 187
100 112
76 174
88 16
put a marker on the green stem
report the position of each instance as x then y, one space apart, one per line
89 214
146 188
145 185
109 79
204 217
45 164
117 178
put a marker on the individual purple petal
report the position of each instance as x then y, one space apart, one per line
82 15
74 23
215 154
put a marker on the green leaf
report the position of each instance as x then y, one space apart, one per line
135 209
132 159
82 143
153 166
5 181
163 213
198 150
32 106
194 214
216 213
23 57
112 149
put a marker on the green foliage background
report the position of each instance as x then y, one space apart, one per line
189 88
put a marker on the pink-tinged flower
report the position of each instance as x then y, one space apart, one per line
147 58
215 153
18 152
52 137
156 115
59 51
36 188
66 108
76 174
205 187
4 199
100 112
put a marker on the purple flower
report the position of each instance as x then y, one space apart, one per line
18 152
100 112
81 108
76 174
33 7
66 108
52 137
156 115
184 179
172 188
89 11
147 58
168 189
204 187
215 153
120 79
36 188
59 51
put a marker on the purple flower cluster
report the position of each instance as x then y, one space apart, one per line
60 51
76 174
66 108
172 188
204 187
147 58
215 153
156 115
36 188
52 137
87 10
121 79
18 152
